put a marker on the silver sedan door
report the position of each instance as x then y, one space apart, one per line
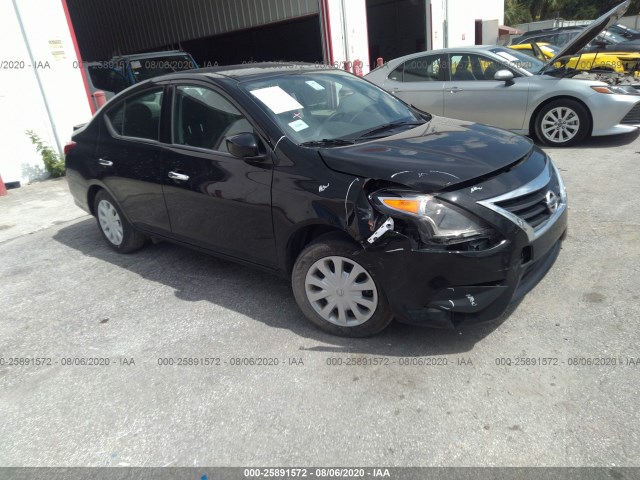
471 93
419 82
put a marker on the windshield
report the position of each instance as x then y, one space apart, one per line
329 106
146 68
514 58
611 37
622 29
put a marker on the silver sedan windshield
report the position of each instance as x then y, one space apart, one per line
514 58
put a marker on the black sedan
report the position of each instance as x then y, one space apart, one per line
371 207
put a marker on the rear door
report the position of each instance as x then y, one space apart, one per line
215 200
419 82
471 93
129 158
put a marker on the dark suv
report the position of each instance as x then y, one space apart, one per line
606 41
372 208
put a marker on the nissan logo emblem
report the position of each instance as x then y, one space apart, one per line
552 201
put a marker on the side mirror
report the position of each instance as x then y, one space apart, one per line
504 76
243 145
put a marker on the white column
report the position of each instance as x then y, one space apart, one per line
22 100
348 31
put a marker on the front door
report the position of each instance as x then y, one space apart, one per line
214 199
471 93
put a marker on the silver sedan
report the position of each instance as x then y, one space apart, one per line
508 89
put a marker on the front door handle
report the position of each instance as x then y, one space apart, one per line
455 90
105 163
178 176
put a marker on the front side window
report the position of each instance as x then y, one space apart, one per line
138 116
203 118
465 67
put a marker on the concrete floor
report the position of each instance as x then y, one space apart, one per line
65 294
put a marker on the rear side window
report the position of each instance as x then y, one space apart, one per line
138 116
422 69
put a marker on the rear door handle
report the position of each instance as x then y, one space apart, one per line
105 163
455 90
178 176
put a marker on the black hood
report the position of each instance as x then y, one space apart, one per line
433 156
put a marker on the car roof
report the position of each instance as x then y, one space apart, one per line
246 72
262 68
553 30
135 56
465 49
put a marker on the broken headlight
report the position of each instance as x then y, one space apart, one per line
437 220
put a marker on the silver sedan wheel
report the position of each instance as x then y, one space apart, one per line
560 125
341 291
110 222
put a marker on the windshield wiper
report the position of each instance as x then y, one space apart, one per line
389 126
327 142
421 113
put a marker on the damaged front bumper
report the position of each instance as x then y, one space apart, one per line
449 289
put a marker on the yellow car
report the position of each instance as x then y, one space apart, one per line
619 62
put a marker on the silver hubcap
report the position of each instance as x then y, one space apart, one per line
110 222
341 291
560 124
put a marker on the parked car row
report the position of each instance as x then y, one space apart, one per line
372 203
554 101
616 48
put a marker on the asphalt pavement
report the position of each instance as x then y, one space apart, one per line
113 341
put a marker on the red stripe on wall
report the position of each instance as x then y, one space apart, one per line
80 66
327 31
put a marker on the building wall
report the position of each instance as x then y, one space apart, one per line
21 100
143 25
396 28
349 37
461 16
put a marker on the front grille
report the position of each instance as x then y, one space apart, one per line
633 117
532 208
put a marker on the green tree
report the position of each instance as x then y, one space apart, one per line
516 12
522 11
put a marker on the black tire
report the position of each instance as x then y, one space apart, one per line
562 123
113 225
331 251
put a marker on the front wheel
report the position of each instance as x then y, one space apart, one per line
115 228
562 123
336 292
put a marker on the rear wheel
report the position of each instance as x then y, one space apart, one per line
119 233
336 292
562 123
